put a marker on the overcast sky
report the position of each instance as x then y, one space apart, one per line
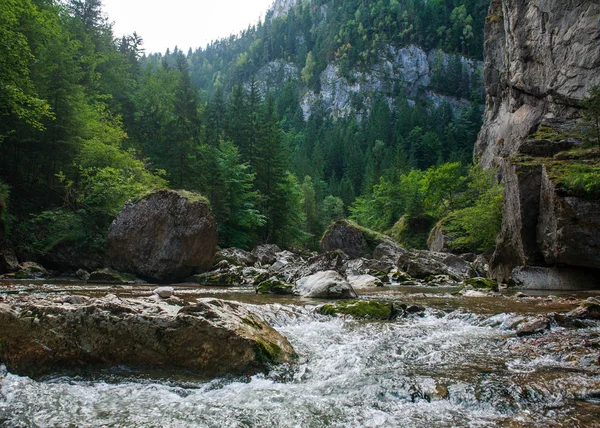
185 23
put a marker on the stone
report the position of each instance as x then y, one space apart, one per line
324 285
236 257
8 259
164 292
534 326
422 264
226 277
587 310
481 283
274 286
82 274
31 270
266 254
108 275
555 278
354 240
361 309
388 251
165 236
360 282
42 335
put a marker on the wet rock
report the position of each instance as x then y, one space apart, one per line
535 326
326 285
481 283
108 275
210 338
266 254
359 282
354 240
226 277
421 264
31 270
365 309
165 236
388 251
236 257
164 292
587 310
275 286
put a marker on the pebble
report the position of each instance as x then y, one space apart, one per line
164 292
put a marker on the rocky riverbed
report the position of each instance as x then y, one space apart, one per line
443 358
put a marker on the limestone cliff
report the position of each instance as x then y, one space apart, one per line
542 59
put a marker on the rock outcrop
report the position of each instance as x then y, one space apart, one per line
165 236
542 59
423 264
40 335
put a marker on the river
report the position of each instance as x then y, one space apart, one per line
457 364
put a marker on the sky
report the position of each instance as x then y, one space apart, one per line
185 23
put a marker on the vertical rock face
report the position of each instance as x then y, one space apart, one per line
542 58
165 236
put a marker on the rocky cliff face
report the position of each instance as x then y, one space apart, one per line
542 59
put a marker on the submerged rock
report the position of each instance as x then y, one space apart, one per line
367 309
210 338
325 285
165 236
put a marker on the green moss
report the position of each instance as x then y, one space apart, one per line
402 277
367 309
372 238
547 133
252 323
481 283
267 352
190 196
274 286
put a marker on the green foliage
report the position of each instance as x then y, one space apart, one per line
4 194
412 230
332 209
578 178
235 201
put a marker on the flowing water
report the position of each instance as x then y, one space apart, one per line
441 369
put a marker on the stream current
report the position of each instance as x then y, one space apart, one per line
440 369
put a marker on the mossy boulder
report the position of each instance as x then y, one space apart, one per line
228 277
354 240
362 309
481 283
31 270
412 231
274 286
164 236
108 275
401 277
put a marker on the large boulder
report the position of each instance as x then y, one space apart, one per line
423 264
165 236
40 335
388 251
324 285
352 239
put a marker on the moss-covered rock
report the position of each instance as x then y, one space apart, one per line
364 309
352 239
31 270
274 286
110 276
481 283
412 232
401 277
224 277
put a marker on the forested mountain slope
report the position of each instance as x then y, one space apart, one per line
282 127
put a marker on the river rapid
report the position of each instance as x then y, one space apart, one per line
459 363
